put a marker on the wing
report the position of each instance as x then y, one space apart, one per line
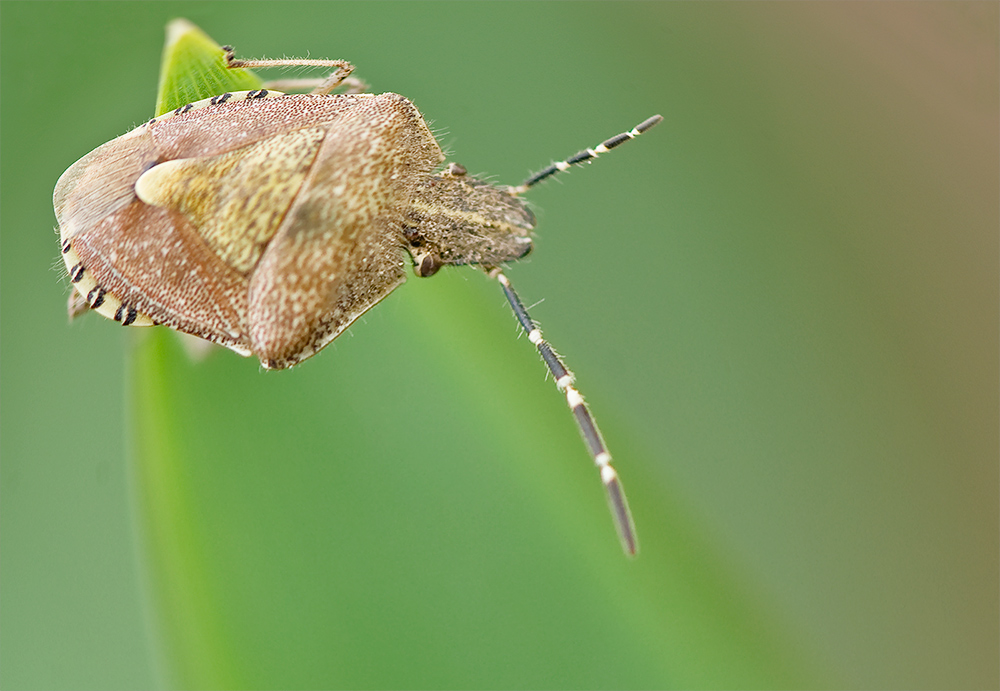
265 223
140 264
338 252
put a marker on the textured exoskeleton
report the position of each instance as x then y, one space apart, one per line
268 222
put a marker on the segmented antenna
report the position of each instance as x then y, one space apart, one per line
586 155
563 377
584 420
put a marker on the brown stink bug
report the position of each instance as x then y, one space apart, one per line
268 222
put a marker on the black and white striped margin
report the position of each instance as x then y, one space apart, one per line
564 378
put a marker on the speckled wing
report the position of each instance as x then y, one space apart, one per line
338 252
142 264
170 223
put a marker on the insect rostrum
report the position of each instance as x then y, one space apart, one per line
268 222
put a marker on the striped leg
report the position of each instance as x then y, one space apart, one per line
586 154
584 420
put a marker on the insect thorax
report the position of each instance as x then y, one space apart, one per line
456 219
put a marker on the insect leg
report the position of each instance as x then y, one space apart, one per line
324 86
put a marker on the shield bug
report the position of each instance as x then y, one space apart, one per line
268 222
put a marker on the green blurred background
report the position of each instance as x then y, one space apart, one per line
782 304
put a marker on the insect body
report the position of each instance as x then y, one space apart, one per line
268 222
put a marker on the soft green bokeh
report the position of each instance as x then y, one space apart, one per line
782 304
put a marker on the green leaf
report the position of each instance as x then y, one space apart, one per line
194 68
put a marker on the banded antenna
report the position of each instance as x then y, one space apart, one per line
563 377
586 155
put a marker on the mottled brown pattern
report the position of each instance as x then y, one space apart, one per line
101 182
236 200
338 253
269 225
154 259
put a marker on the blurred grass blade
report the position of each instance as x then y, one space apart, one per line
185 613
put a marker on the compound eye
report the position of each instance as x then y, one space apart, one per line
426 265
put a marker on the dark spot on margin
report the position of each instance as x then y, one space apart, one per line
95 298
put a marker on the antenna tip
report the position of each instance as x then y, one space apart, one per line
620 511
648 122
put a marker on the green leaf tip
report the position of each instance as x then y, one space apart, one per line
193 68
